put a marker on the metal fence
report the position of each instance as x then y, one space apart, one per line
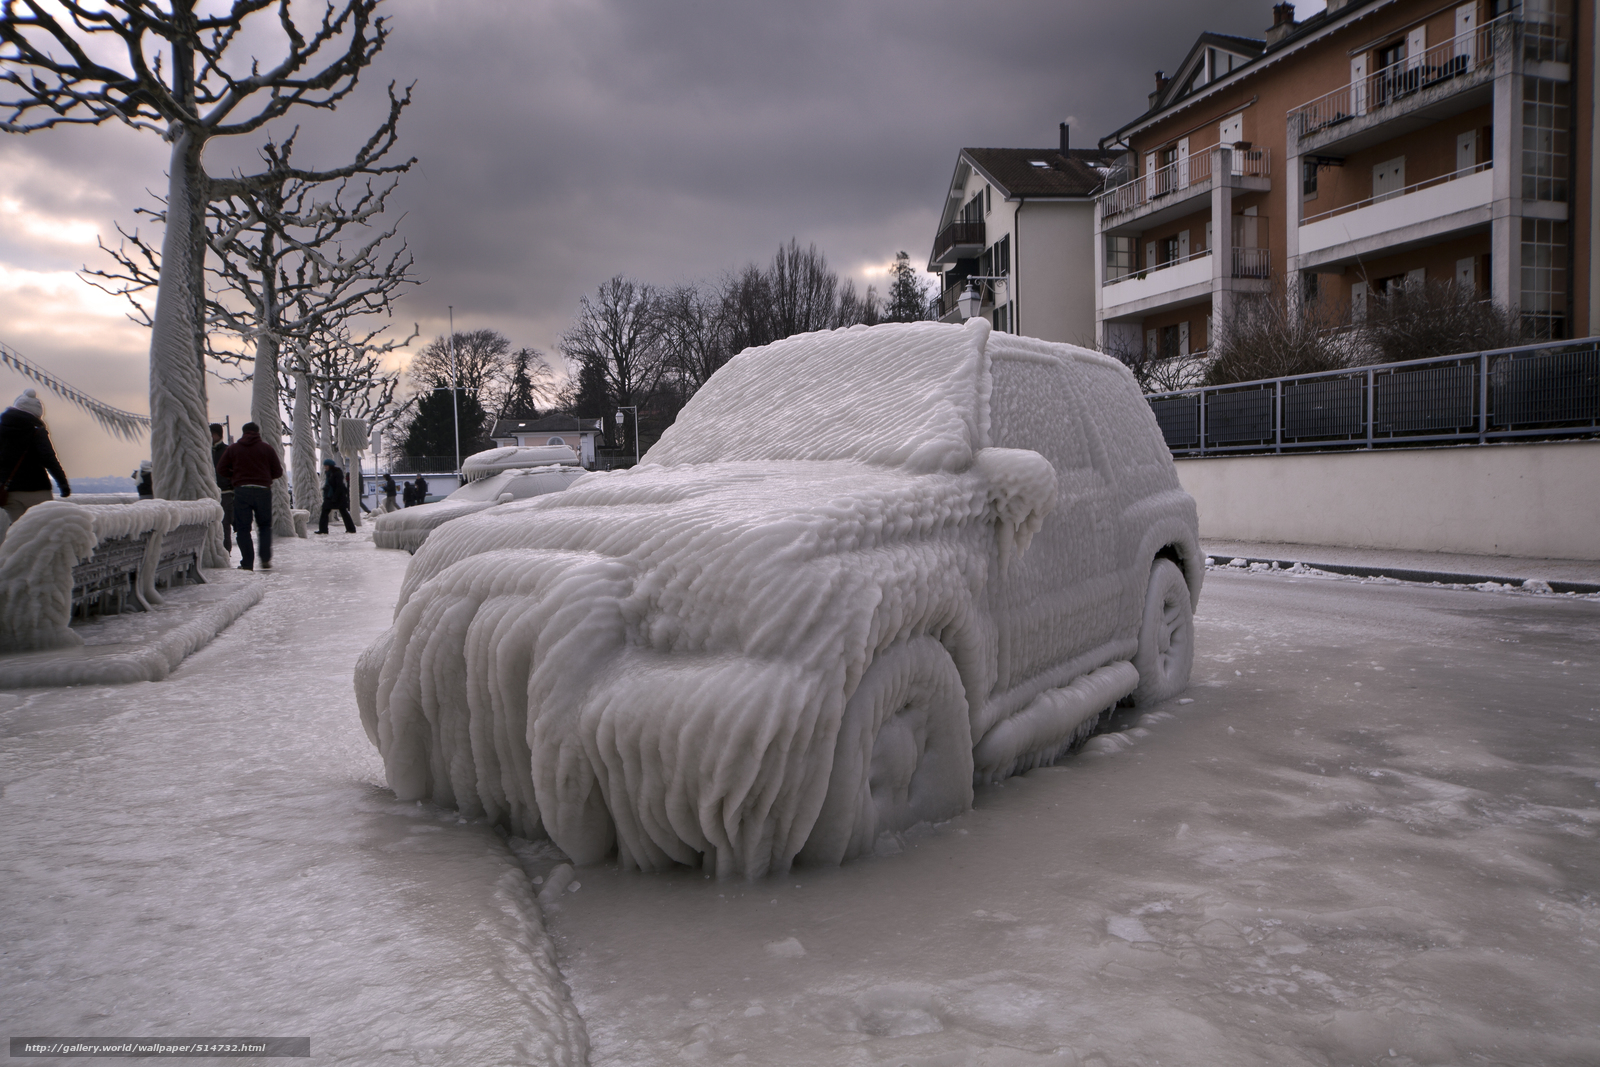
1546 390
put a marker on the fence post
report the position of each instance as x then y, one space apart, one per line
1483 398
1202 422
1371 404
1277 415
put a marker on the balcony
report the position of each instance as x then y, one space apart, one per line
1444 80
1185 281
949 312
1415 215
959 240
1179 189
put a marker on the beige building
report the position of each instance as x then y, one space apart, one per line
1380 143
1018 226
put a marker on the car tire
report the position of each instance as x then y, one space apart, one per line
1166 637
903 754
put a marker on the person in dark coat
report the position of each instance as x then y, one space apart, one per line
422 489
335 497
218 447
389 490
250 464
27 459
142 476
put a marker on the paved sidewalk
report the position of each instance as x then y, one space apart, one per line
1564 575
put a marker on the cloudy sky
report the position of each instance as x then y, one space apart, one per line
562 141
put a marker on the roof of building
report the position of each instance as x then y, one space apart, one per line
547 424
1016 171
1173 96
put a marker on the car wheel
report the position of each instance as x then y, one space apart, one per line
903 755
1166 637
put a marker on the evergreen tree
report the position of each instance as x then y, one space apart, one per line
433 430
529 382
908 297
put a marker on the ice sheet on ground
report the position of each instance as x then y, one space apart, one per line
215 854
138 646
1373 828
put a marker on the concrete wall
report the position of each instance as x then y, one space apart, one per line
1537 500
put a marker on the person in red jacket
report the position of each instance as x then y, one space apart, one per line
251 464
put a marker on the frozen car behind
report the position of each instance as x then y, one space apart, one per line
863 569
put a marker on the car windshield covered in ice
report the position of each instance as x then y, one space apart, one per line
863 569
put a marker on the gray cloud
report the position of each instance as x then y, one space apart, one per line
562 141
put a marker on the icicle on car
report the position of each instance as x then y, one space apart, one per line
862 570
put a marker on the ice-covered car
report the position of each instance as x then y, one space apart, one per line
863 569
493 477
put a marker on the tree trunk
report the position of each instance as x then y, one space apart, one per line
265 411
304 445
180 438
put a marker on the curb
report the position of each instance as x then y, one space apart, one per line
1406 574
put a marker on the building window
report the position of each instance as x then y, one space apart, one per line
1002 318
1308 179
1002 255
1544 31
1172 338
1310 287
1545 119
556 441
1169 249
988 198
1119 257
1544 279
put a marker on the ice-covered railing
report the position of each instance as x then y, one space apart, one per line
41 549
125 424
495 460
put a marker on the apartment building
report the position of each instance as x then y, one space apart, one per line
1379 143
1018 227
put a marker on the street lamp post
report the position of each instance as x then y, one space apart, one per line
970 302
635 409
455 397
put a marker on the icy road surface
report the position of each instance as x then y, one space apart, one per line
214 855
1369 839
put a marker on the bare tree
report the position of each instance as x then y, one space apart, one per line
167 69
284 269
1437 318
1271 335
617 332
481 369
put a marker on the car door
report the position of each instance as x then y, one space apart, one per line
1058 601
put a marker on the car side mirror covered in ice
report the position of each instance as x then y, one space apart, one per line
1022 490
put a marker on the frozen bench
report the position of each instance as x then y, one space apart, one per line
62 557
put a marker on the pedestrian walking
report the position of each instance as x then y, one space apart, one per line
27 459
335 497
422 489
142 476
218 447
389 490
250 464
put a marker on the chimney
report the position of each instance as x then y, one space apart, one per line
1064 138
1161 84
1283 23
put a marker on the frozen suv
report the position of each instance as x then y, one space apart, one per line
863 570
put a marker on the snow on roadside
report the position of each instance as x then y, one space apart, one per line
215 854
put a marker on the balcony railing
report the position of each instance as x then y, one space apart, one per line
1418 187
1117 274
1443 64
1252 263
1192 173
957 235
1547 390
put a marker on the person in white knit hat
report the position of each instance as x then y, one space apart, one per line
27 459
